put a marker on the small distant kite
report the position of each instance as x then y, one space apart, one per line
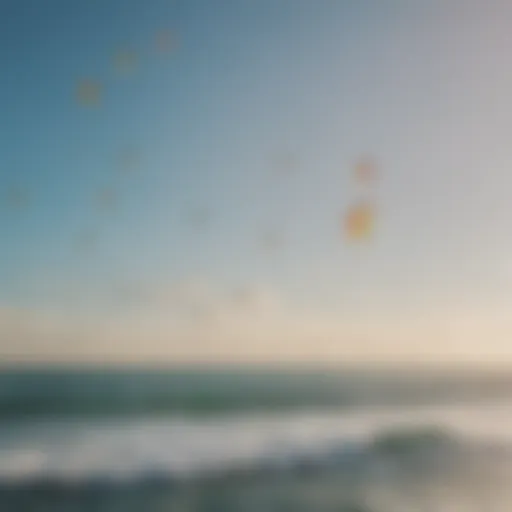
284 162
126 62
166 41
242 297
89 93
17 198
272 241
131 292
86 241
359 222
365 170
129 160
106 199
200 217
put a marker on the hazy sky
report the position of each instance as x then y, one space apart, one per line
424 87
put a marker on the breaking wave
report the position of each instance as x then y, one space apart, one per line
380 462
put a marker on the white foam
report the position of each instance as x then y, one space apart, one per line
127 448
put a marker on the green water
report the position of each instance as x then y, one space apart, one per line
142 391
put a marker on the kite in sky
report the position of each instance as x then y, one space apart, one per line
107 199
200 217
126 61
129 160
272 241
17 198
284 162
165 41
359 222
86 241
89 93
366 170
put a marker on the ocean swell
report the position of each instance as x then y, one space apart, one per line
181 449
305 462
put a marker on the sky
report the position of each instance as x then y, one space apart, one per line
139 228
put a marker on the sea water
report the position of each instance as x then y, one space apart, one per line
254 439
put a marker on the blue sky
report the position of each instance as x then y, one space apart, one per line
423 87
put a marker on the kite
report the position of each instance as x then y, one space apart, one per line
86 241
285 162
106 199
126 61
242 297
359 222
134 292
366 170
272 241
165 41
88 93
130 160
17 198
200 217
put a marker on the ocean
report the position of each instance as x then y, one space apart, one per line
262 439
